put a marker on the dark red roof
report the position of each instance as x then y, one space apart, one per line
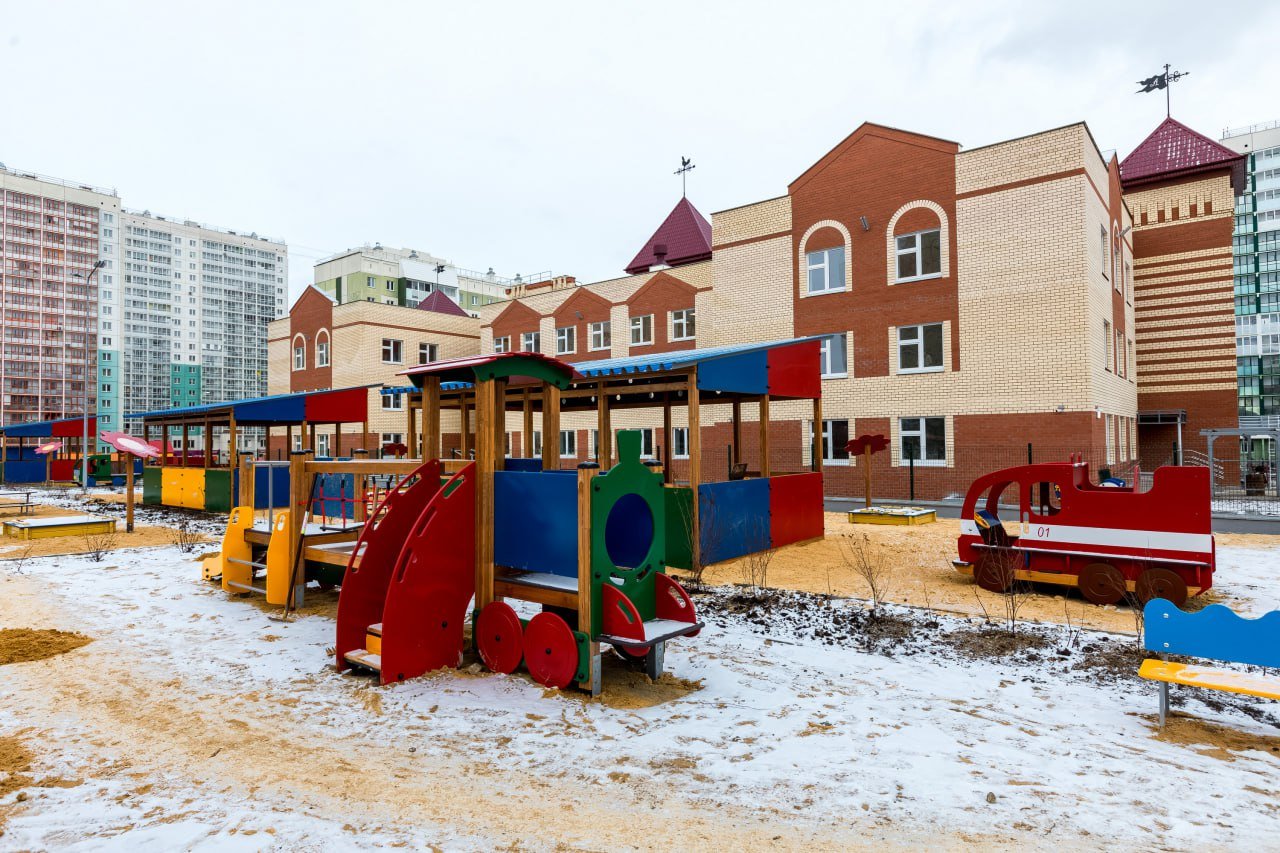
682 238
1175 150
439 302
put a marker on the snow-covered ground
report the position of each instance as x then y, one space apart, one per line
196 721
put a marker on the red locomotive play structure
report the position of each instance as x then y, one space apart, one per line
1107 539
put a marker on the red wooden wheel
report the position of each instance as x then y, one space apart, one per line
1101 583
550 651
632 654
499 636
1162 583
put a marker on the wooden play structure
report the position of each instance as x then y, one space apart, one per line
1108 539
20 461
206 479
1215 633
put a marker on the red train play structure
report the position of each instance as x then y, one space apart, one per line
1108 539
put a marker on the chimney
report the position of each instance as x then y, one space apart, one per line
660 256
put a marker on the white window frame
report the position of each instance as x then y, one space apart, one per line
502 344
1107 346
919 344
322 352
827 444
392 402
568 443
918 251
432 352
300 357
646 439
530 341
601 331
392 351
593 444
679 435
684 326
921 433
566 340
537 442
824 356
818 260
639 336
323 442
391 438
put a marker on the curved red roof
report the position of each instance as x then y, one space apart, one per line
682 238
1174 150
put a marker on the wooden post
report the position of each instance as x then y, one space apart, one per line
288 440
233 456
411 431
695 465
364 436
465 413
667 453
737 431
311 430
526 433
485 457
299 495
815 437
550 427
430 415
207 436
247 493
604 448
128 494
585 476
498 425
764 436
185 436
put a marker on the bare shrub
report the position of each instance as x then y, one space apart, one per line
185 537
700 542
999 569
755 566
96 545
1071 630
869 564
18 564
1137 609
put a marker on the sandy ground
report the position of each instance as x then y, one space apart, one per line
918 562
141 537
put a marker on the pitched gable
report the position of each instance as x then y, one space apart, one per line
682 238
1174 150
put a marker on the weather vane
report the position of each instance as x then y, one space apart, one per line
686 166
1162 81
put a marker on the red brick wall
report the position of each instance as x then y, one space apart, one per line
659 296
594 309
517 319
873 173
312 312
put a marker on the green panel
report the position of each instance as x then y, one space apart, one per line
629 477
533 367
679 512
151 485
217 490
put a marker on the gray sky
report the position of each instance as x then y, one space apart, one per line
535 136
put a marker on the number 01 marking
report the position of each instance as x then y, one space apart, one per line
1042 532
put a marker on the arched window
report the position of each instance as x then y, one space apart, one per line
918 242
322 348
824 257
299 352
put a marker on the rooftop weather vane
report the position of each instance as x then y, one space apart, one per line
686 166
1162 81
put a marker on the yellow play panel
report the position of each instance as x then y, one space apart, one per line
893 515
58 525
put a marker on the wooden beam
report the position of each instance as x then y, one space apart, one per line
430 418
300 480
551 429
695 464
604 447
764 436
737 431
233 458
585 615
207 433
526 429
486 402
465 414
363 466
497 426
184 446
815 437
667 453
411 433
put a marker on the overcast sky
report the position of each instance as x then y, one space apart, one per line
541 135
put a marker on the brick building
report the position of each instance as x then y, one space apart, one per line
322 345
1181 187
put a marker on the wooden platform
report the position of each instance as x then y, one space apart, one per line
893 515
50 527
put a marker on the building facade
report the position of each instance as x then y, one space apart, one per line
188 317
1256 268
54 233
405 277
321 345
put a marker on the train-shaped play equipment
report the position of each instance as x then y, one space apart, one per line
1109 539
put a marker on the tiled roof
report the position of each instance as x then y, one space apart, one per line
1174 150
682 238
439 302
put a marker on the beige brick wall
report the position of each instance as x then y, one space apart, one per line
1023 159
752 285
751 221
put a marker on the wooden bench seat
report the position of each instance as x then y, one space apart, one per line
538 587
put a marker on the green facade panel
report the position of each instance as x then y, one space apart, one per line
151 485
217 490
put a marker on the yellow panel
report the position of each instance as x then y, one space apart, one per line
171 486
373 644
1226 680
279 564
235 547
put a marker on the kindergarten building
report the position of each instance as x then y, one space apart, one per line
971 303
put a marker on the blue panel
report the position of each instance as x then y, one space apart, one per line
733 518
25 471
284 409
747 373
334 494
515 464
536 522
279 480
28 454
1216 632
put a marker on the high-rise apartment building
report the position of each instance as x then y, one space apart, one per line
406 277
54 234
189 318
1256 263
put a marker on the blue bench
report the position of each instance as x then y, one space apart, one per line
1215 633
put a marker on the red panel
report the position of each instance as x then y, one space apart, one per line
347 406
364 587
62 469
795 508
796 370
432 584
73 428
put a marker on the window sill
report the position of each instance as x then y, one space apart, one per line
810 293
600 349
835 376
567 352
642 344
923 463
915 370
928 277
835 463
679 340
384 361
679 458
